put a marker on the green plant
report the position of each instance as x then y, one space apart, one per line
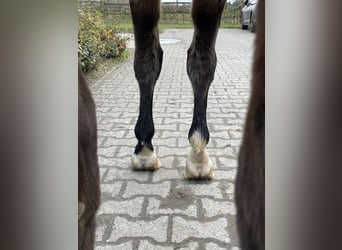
96 40
111 45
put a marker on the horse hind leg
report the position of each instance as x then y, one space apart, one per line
147 66
201 65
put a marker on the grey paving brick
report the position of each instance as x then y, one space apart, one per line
124 246
119 142
184 229
134 188
125 151
156 229
167 151
112 189
225 175
190 246
118 174
106 152
199 189
123 162
161 210
102 172
146 245
236 134
227 162
230 188
166 174
100 229
214 208
130 207
213 246
167 162
155 207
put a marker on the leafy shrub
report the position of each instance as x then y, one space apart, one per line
112 46
96 40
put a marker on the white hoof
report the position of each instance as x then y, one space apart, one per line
198 164
145 160
198 171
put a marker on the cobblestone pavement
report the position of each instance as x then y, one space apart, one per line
160 210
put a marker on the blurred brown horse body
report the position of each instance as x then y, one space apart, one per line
250 181
88 170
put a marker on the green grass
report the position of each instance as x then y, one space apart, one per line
122 57
128 27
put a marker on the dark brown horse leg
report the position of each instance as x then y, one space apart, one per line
201 65
147 65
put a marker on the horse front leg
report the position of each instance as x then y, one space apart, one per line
201 65
147 66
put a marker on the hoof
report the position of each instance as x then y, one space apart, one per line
145 160
198 165
198 171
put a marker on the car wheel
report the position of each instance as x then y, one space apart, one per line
243 26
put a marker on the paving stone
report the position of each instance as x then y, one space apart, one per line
155 206
221 135
123 162
226 151
190 246
184 229
213 246
111 189
167 151
123 246
102 172
165 174
134 188
227 162
156 229
125 151
167 162
236 134
230 188
107 152
165 141
161 210
119 142
105 127
235 143
117 174
100 229
130 207
206 189
214 208
229 175
146 245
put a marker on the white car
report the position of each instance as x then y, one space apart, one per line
248 15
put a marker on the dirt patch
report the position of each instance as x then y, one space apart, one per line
105 65
179 198
102 69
